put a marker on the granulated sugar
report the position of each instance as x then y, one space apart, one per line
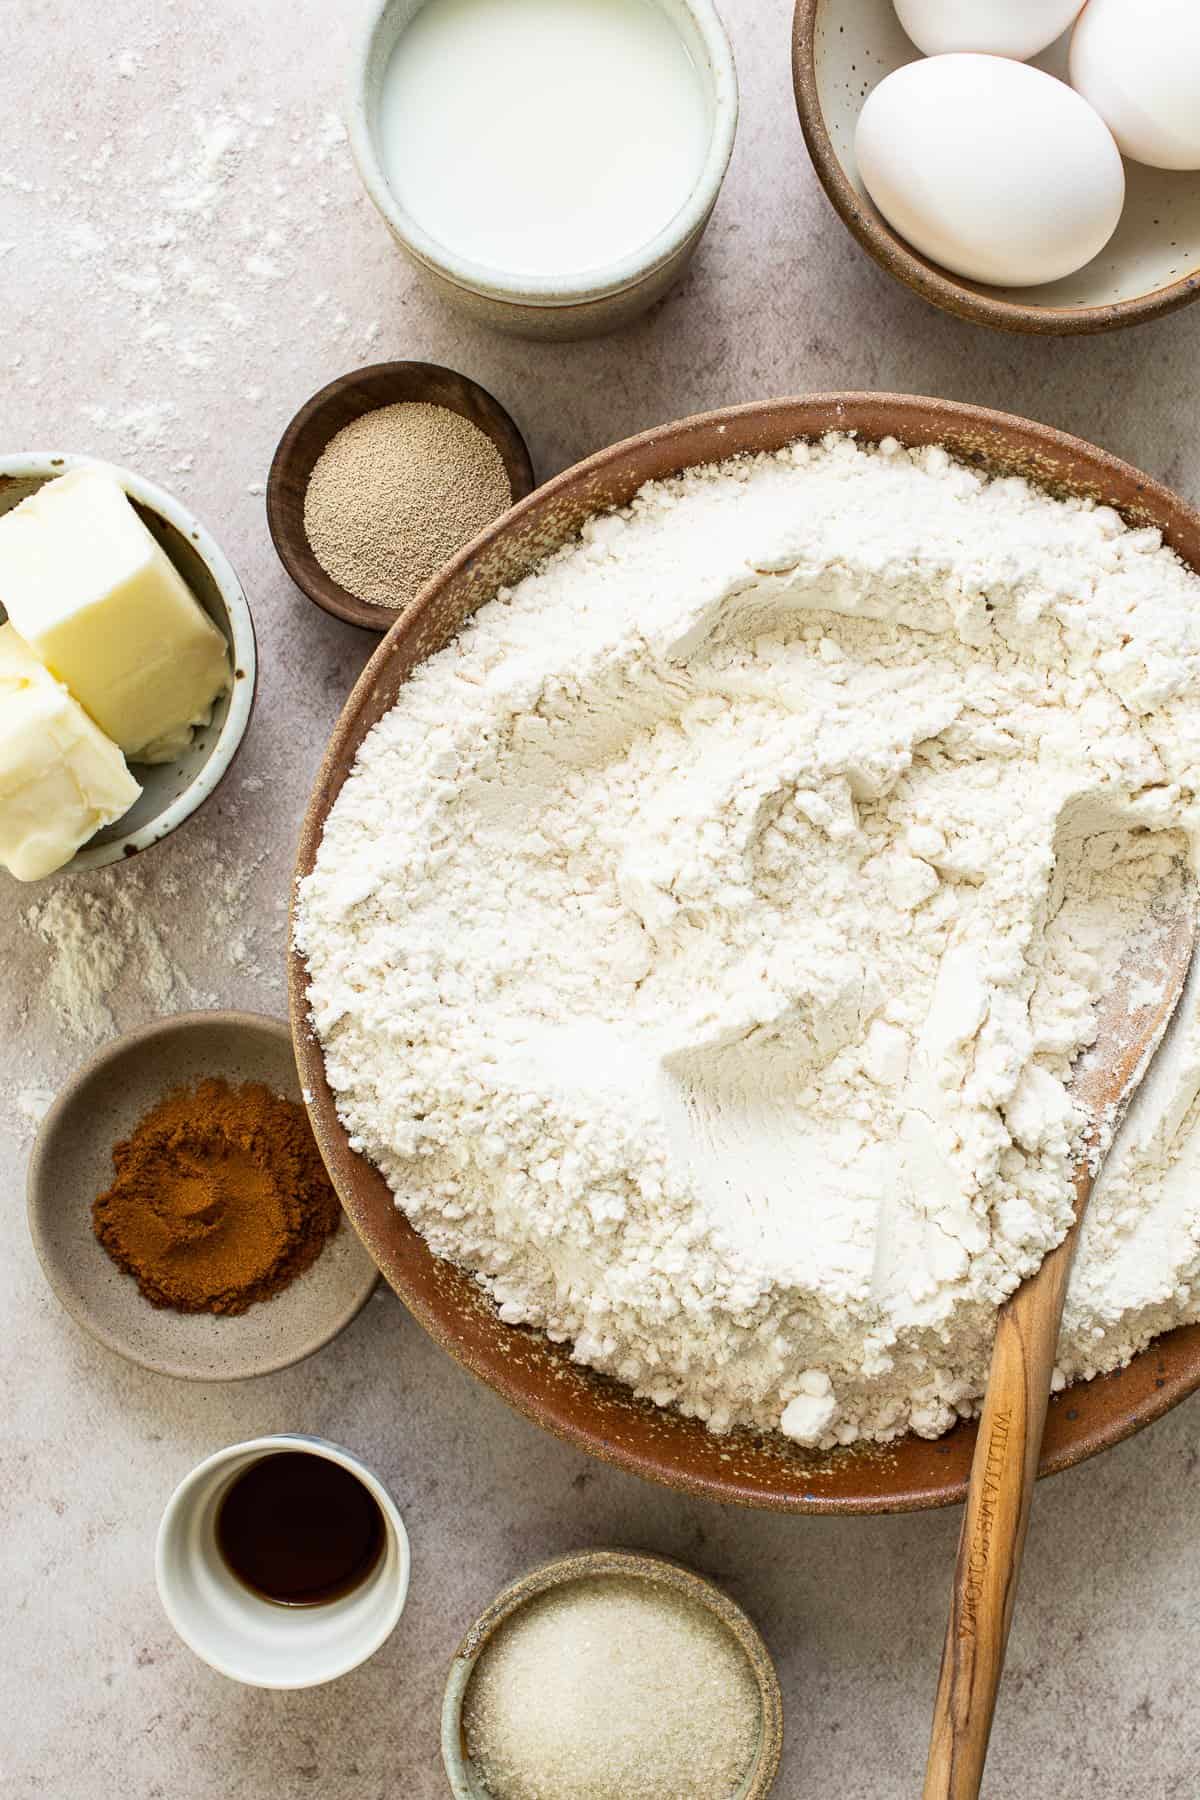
396 493
701 945
612 1688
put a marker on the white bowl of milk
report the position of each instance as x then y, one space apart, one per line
549 164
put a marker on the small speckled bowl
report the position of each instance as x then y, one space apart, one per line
587 1565
556 307
72 1163
172 791
841 49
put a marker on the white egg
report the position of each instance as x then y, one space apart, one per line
1017 28
1138 62
991 168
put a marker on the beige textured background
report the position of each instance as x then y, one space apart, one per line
185 255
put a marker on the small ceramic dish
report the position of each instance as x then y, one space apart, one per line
244 1635
171 792
841 49
561 307
72 1163
328 412
588 1565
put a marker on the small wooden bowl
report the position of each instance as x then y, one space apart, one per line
841 49
328 412
588 1565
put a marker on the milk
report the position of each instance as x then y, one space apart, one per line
542 137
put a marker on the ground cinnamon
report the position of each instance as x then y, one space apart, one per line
219 1198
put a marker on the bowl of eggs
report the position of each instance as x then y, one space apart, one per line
1033 165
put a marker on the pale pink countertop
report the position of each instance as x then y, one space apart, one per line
185 255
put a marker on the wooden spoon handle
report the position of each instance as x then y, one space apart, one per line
995 1518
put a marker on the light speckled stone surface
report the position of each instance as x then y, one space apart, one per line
185 255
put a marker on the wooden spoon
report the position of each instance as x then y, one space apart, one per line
1131 1019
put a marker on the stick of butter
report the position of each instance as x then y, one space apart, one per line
99 601
61 779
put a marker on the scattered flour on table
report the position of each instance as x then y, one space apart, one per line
23 1105
105 940
93 936
33 1103
701 944
183 268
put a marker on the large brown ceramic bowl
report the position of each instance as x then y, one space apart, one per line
534 1375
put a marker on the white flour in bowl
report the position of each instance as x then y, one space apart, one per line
701 944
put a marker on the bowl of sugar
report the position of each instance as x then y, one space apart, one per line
608 1671
549 165
127 664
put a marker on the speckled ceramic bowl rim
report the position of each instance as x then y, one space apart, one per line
592 284
643 1566
46 465
37 1174
935 284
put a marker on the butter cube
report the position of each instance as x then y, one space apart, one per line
100 602
61 779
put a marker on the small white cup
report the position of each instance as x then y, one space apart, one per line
248 1638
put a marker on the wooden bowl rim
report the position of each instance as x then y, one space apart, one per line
293 548
928 279
744 1468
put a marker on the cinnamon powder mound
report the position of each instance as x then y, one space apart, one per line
219 1198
